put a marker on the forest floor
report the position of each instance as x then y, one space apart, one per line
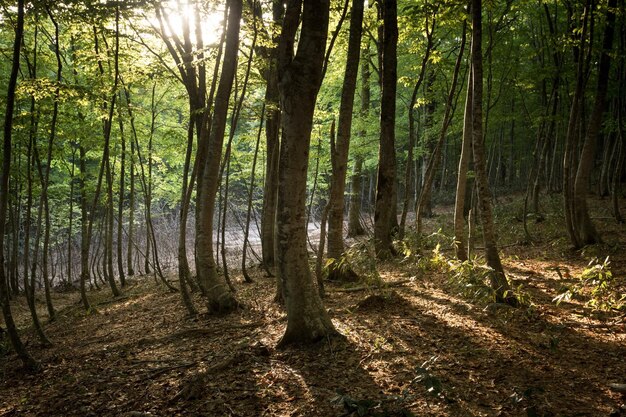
411 348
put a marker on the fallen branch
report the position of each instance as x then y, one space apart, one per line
618 388
371 287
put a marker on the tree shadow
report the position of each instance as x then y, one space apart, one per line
506 366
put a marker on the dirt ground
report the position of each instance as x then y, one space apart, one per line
415 348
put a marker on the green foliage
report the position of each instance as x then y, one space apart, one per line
597 281
361 258
425 377
469 279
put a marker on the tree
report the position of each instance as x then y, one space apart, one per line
299 79
385 191
497 278
16 342
340 150
219 297
584 230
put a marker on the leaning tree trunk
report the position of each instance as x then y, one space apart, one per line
300 77
497 278
387 152
583 225
14 337
219 297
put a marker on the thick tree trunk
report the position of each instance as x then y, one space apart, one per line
300 77
497 278
219 297
387 152
14 337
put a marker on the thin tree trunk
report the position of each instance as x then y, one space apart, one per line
413 129
340 152
130 269
246 232
272 135
120 202
436 155
14 337
355 227
497 278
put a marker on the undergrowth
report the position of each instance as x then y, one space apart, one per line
600 285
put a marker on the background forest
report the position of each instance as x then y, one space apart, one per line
315 168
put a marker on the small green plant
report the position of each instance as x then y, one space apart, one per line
361 258
469 279
598 281
424 377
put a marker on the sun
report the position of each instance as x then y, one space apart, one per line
178 14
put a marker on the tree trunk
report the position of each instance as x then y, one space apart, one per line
14 337
246 232
497 278
424 196
299 77
584 227
387 152
120 203
410 166
569 155
84 230
344 127
272 135
355 227
131 208
219 298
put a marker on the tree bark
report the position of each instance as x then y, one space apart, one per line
385 191
462 182
272 137
299 77
219 297
585 229
497 278
344 127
